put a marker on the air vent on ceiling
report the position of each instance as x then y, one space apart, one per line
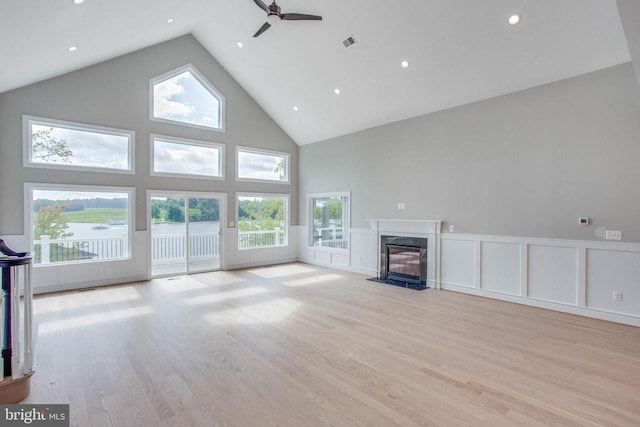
349 41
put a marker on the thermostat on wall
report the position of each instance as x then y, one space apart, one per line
584 221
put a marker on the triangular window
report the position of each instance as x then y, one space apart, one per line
185 97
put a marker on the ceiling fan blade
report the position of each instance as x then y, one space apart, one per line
300 17
261 5
262 29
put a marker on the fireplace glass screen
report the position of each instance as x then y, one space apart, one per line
404 260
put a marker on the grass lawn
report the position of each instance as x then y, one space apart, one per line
97 215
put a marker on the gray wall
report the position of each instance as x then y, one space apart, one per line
523 164
630 16
115 93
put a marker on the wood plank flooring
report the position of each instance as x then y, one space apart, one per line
299 345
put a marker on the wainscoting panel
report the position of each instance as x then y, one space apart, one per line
457 263
363 241
553 273
359 258
613 271
500 267
572 276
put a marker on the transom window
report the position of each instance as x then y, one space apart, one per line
329 216
184 157
185 97
262 165
263 220
66 145
80 223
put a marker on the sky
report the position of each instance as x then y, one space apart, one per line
256 165
184 99
170 157
76 195
90 148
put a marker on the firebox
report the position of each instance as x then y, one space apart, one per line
403 261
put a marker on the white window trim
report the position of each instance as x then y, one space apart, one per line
287 207
204 81
310 220
287 157
27 144
28 214
184 141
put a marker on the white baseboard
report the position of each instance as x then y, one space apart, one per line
365 271
260 263
45 289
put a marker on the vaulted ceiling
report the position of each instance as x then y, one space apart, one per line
458 51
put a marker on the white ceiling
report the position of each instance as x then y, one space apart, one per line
460 51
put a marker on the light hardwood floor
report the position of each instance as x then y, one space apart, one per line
299 345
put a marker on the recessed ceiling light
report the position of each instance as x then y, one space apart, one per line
295 108
170 20
73 48
405 64
336 91
514 19
78 1
240 45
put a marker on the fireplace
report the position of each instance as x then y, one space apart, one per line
403 261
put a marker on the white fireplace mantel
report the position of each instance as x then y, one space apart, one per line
413 226
430 229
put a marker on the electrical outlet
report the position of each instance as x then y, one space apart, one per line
401 205
452 228
613 235
617 296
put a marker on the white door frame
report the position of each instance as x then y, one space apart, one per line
187 194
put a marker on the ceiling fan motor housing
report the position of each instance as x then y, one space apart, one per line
274 9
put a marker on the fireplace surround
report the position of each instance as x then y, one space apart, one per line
403 261
430 230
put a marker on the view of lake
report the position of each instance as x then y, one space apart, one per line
86 230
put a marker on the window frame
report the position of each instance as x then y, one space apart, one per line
27 144
29 188
287 222
185 141
310 218
203 81
287 157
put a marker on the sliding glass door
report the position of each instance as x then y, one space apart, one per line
185 232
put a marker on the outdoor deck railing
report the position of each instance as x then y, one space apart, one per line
163 247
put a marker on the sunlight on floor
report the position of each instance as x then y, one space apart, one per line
312 280
69 301
266 312
224 296
281 271
179 284
93 319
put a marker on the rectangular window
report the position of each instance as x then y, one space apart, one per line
330 220
182 157
262 165
65 145
80 223
263 220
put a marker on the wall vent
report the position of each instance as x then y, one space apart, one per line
349 41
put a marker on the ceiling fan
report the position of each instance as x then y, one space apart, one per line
274 15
